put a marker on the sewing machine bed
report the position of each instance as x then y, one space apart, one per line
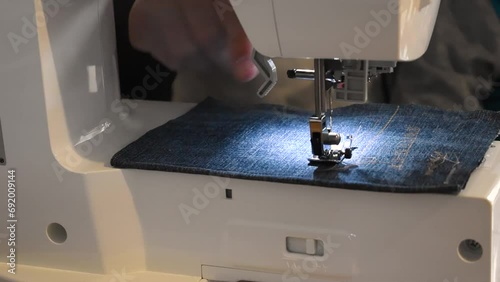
402 149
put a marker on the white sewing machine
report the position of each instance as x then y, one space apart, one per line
78 219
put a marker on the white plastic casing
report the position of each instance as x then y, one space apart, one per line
386 30
60 82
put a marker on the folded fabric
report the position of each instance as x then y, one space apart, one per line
403 149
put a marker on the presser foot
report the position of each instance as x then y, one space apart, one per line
332 157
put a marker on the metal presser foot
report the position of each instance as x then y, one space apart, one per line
325 143
345 80
326 146
332 156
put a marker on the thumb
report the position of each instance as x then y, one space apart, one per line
240 48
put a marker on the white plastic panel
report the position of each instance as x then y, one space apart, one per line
338 256
257 18
212 273
129 220
417 22
385 30
328 29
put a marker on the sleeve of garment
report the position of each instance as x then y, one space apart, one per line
462 65
141 76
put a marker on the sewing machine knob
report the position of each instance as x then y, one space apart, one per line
330 138
348 153
304 74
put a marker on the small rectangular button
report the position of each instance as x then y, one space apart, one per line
305 246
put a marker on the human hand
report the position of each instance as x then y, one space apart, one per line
192 34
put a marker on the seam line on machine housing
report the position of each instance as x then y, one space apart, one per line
276 28
3 159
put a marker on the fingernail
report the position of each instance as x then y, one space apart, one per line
245 70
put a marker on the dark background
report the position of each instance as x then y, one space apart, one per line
132 64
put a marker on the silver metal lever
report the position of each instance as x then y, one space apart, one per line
267 70
304 74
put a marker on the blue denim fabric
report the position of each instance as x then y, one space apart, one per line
412 149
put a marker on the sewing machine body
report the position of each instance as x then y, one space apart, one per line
61 89
366 38
387 30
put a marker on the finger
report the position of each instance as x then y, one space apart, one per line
136 25
157 27
239 45
206 29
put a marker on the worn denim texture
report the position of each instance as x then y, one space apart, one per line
403 149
